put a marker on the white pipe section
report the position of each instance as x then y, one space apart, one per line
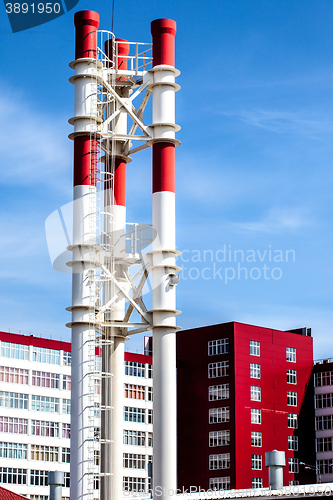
83 332
164 89
164 347
85 100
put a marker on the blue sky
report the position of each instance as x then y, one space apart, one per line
254 171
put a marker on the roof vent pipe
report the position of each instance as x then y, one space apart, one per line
275 461
56 482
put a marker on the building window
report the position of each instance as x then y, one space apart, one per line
44 453
217 392
291 354
13 375
293 483
44 403
323 378
134 438
324 444
216 347
324 466
96 458
66 358
45 379
255 393
257 462
220 369
44 355
219 415
256 438
291 398
66 455
134 461
221 461
219 438
257 482
66 382
14 351
134 391
66 406
97 386
13 425
149 394
293 465
324 422
39 477
9 475
67 483
13 400
254 348
255 371
293 443
150 439
135 484
44 428
219 483
255 416
13 450
134 414
150 416
134 369
291 377
324 400
150 370
66 431
292 420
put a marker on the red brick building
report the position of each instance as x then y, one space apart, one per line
243 390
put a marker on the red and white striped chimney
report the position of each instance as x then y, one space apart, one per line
164 255
84 223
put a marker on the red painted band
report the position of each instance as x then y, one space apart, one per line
140 358
85 161
163 167
86 23
123 51
119 183
15 338
163 32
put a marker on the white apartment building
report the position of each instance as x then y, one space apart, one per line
35 385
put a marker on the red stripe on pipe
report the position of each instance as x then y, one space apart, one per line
86 23
163 32
123 51
85 161
119 183
163 167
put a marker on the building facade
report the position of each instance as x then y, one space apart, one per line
323 392
35 396
243 390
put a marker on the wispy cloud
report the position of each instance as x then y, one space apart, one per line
276 220
34 145
285 121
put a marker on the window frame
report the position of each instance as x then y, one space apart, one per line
255 370
254 348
